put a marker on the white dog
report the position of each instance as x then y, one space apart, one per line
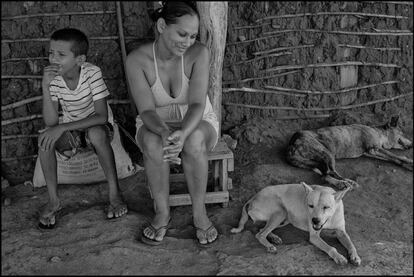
309 208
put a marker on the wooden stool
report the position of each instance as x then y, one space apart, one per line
222 161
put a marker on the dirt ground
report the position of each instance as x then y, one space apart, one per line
379 220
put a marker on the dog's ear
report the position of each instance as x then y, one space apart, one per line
341 193
394 120
306 187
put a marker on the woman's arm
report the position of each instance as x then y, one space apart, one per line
198 88
142 95
196 101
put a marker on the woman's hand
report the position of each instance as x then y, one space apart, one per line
49 136
174 146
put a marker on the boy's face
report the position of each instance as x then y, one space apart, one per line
60 53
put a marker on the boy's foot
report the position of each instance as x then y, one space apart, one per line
116 210
47 216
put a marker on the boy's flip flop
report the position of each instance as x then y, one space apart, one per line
113 209
156 231
49 222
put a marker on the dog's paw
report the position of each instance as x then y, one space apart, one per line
339 259
351 183
236 230
355 260
275 239
271 249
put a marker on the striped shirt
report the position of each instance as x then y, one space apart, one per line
78 104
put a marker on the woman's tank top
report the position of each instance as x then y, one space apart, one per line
173 109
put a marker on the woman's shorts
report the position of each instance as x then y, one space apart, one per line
210 118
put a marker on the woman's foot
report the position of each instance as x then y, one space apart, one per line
157 229
206 233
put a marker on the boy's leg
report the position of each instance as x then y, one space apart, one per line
99 138
195 164
49 168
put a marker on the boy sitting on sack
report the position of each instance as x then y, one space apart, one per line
80 90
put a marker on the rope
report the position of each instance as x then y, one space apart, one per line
127 134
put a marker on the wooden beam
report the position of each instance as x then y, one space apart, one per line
124 54
211 197
213 31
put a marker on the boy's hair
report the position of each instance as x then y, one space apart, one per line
79 40
171 10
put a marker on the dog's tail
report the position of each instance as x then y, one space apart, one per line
243 219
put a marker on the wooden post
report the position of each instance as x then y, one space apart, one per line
348 74
213 31
124 54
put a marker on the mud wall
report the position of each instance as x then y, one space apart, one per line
293 55
304 51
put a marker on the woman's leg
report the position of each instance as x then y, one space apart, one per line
157 172
195 164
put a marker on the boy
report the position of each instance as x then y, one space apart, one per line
87 118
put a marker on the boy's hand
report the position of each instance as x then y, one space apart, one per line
50 72
49 136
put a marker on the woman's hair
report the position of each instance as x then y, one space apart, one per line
171 10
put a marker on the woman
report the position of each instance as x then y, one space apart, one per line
169 81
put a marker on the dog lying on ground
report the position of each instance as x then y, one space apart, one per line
309 208
318 149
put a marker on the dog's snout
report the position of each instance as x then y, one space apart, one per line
315 220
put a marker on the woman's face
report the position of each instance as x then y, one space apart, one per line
179 36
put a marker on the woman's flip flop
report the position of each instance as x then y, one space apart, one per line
156 231
201 233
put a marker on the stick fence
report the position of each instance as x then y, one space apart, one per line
370 47
244 89
318 109
48 39
332 13
284 67
260 77
21 103
259 58
313 92
56 14
383 33
19 136
282 48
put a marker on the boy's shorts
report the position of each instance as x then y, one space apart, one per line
75 141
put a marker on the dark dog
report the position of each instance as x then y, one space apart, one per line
317 149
